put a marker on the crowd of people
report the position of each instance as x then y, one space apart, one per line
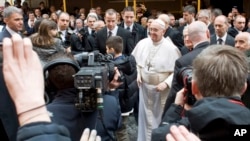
148 52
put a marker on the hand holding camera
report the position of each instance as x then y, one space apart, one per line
181 99
184 77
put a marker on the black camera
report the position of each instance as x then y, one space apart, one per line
83 32
92 79
184 77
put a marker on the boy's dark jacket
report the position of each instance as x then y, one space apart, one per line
127 91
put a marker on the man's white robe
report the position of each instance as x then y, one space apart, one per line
155 64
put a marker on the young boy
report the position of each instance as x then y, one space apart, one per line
129 88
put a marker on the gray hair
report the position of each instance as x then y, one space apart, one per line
8 11
204 13
92 15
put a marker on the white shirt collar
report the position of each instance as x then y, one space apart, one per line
223 37
131 27
12 32
89 30
114 31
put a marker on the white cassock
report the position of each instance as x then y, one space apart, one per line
155 64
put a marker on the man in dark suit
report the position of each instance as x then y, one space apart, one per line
14 24
29 24
137 31
221 37
112 29
84 39
188 16
204 16
214 13
239 24
173 34
199 35
63 29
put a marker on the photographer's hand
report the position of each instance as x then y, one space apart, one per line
180 97
115 83
87 136
23 76
180 134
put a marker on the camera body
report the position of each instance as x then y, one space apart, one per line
92 80
83 32
185 78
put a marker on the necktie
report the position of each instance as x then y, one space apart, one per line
110 34
128 28
220 41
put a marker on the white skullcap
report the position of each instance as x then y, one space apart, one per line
160 22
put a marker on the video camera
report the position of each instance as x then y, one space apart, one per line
184 77
92 79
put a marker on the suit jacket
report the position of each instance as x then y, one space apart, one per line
137 32
88 42
229 40
184 50
181 28
3 34
211 28
145 32
232 31
128 44
183 61
30 30
7 111
248 30
175 36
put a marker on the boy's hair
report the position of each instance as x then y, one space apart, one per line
116 43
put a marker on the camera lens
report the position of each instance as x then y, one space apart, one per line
185 78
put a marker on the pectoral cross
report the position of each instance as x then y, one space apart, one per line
149 65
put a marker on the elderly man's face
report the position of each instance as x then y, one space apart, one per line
241 42
156 31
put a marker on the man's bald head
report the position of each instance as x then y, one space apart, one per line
165 18
198 32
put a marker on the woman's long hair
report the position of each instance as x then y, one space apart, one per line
44 38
